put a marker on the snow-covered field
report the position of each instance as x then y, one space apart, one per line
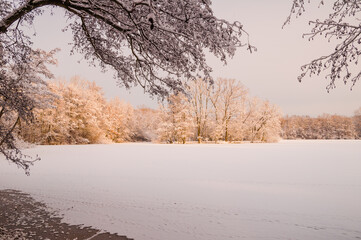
289 190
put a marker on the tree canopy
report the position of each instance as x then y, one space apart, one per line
155 44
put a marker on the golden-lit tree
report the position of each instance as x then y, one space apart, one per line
200 99
228 98
80 115
357 122
176 120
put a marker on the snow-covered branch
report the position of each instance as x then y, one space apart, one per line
344 26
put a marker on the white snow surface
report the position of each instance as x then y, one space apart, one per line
287 190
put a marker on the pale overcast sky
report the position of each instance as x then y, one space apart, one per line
270 73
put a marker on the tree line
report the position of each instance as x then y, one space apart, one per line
76 112
80 114
325 126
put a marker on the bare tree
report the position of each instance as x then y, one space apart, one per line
342 25
227 98
264 122
200 98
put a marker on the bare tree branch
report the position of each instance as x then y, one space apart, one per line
343 25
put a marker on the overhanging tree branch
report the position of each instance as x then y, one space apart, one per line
344 25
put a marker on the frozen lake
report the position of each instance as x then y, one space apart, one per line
288 190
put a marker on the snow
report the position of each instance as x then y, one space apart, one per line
287 190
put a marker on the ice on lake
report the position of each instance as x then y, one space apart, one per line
287 190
